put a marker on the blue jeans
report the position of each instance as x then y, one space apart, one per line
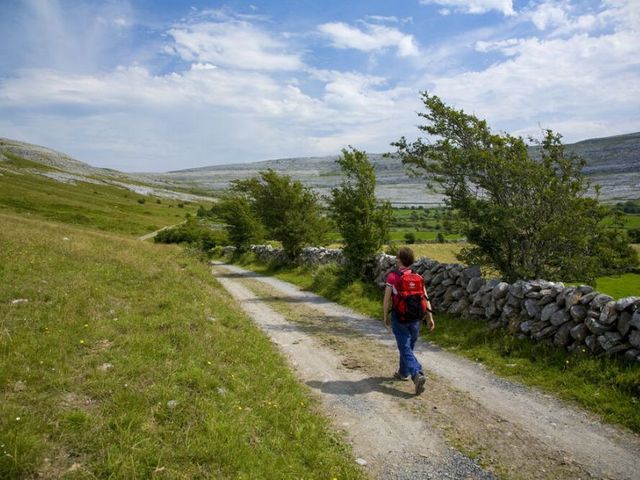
406 335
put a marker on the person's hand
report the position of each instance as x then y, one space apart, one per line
431 325
387 322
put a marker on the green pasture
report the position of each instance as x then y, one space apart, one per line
126 359
103 207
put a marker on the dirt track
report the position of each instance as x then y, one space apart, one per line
512 431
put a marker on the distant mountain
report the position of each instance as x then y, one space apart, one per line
612 162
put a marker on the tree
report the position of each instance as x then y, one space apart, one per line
526 217
242 225
289 211
362 221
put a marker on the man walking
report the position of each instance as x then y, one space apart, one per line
405 297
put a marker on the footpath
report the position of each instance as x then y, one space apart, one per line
468 423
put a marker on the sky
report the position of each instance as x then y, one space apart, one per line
158 85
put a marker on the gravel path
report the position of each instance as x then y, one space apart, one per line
602 450
394 443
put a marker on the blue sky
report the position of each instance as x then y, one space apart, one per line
164 85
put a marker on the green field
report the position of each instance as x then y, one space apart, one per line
102 207
126 359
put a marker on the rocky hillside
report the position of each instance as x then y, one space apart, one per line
612 162
22 157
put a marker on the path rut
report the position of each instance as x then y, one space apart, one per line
374 414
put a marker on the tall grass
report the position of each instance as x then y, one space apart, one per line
124 359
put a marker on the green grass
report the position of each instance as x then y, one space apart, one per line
399 235
606 386
619 286
155 314
102 207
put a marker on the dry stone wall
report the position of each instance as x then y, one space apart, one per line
565 316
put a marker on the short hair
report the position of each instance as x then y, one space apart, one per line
405 254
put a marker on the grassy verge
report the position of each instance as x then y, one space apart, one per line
605 386
123 359
102 207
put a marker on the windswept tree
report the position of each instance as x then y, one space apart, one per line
362 221
243 226
289 211
526 217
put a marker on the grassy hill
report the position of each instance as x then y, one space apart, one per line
25 189
126 359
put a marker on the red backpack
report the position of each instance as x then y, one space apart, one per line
410 304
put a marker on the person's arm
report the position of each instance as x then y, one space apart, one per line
386 305
430 323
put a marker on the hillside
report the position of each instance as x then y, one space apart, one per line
20 157
612 162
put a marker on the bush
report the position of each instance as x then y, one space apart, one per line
289 211
199 236
362 221
142 201
410 237
242 225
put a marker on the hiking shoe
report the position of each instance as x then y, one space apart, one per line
397 376
419 381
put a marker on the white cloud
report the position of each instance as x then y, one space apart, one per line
474 6
233 43
560 18
372 38
581 80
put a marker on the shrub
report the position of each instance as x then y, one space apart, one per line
362 221
289 211
192 233
410 237
142 201
242 225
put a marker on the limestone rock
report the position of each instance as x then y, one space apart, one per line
626 302
624 323
579 332
475 284
608 315
532 308
600 300
595 327
548 310
560 317
578 312
562 338
500 290
609 340
588 297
